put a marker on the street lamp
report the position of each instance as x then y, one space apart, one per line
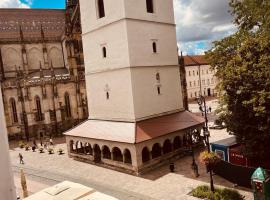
194 165
202 106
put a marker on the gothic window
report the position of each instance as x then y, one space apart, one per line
67 105
38 108
104 52
154 45
101 10
149 6
14 110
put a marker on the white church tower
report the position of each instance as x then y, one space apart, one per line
133 83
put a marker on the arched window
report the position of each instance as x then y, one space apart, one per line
117 154
145 155
127 157
14 110
156 151
149 6
71 145
39 110
158 77
107 95
104 52
101 10
88 149
67 105
106 153
167 146
154 45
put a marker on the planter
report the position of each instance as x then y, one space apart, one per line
51 151
41 150
60 152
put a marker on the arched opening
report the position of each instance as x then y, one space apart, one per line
79 147
117 154
104 52
71 146
14 110
176 143
67 105
127 157
185 141
88 149
154 45
101 9
39 116
97 153
107 95
149 6
156 151
158 90
145 155
106 153
167 146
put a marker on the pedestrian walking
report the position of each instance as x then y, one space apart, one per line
51 141
21 158
34 143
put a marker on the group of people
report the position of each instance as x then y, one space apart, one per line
35 146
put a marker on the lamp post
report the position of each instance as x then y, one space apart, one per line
202 106
194 165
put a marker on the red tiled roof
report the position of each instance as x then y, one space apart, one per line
30 20
195 60
136 132
159 126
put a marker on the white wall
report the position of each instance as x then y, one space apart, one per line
147 101
7 187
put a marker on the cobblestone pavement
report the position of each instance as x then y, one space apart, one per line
44 170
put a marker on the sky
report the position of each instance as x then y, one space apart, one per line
199 22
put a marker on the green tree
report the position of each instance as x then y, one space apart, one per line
242 64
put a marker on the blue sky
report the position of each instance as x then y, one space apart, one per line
45 3
198 22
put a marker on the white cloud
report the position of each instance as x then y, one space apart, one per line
14 4
200 22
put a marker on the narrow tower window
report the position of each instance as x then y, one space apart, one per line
14 110
104 52
149 6
101 10
67 105
158 90
107 95
154 45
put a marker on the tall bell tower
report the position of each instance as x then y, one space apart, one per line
131 59
136 116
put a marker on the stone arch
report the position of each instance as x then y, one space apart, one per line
156 150
56 57
97 153
177 143
35 57
167 146
127 156
11 58
185 142
79 147
71 146
117 154
88 149
145 155
106 153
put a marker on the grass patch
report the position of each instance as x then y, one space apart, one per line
204 192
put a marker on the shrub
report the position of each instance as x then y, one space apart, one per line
204 192
21 144
60 151
41 150
209 158
51 151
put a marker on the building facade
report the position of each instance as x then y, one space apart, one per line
137 119
200 77
42 78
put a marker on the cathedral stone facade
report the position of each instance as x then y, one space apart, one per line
42 70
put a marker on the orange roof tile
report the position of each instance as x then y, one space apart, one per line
195 60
